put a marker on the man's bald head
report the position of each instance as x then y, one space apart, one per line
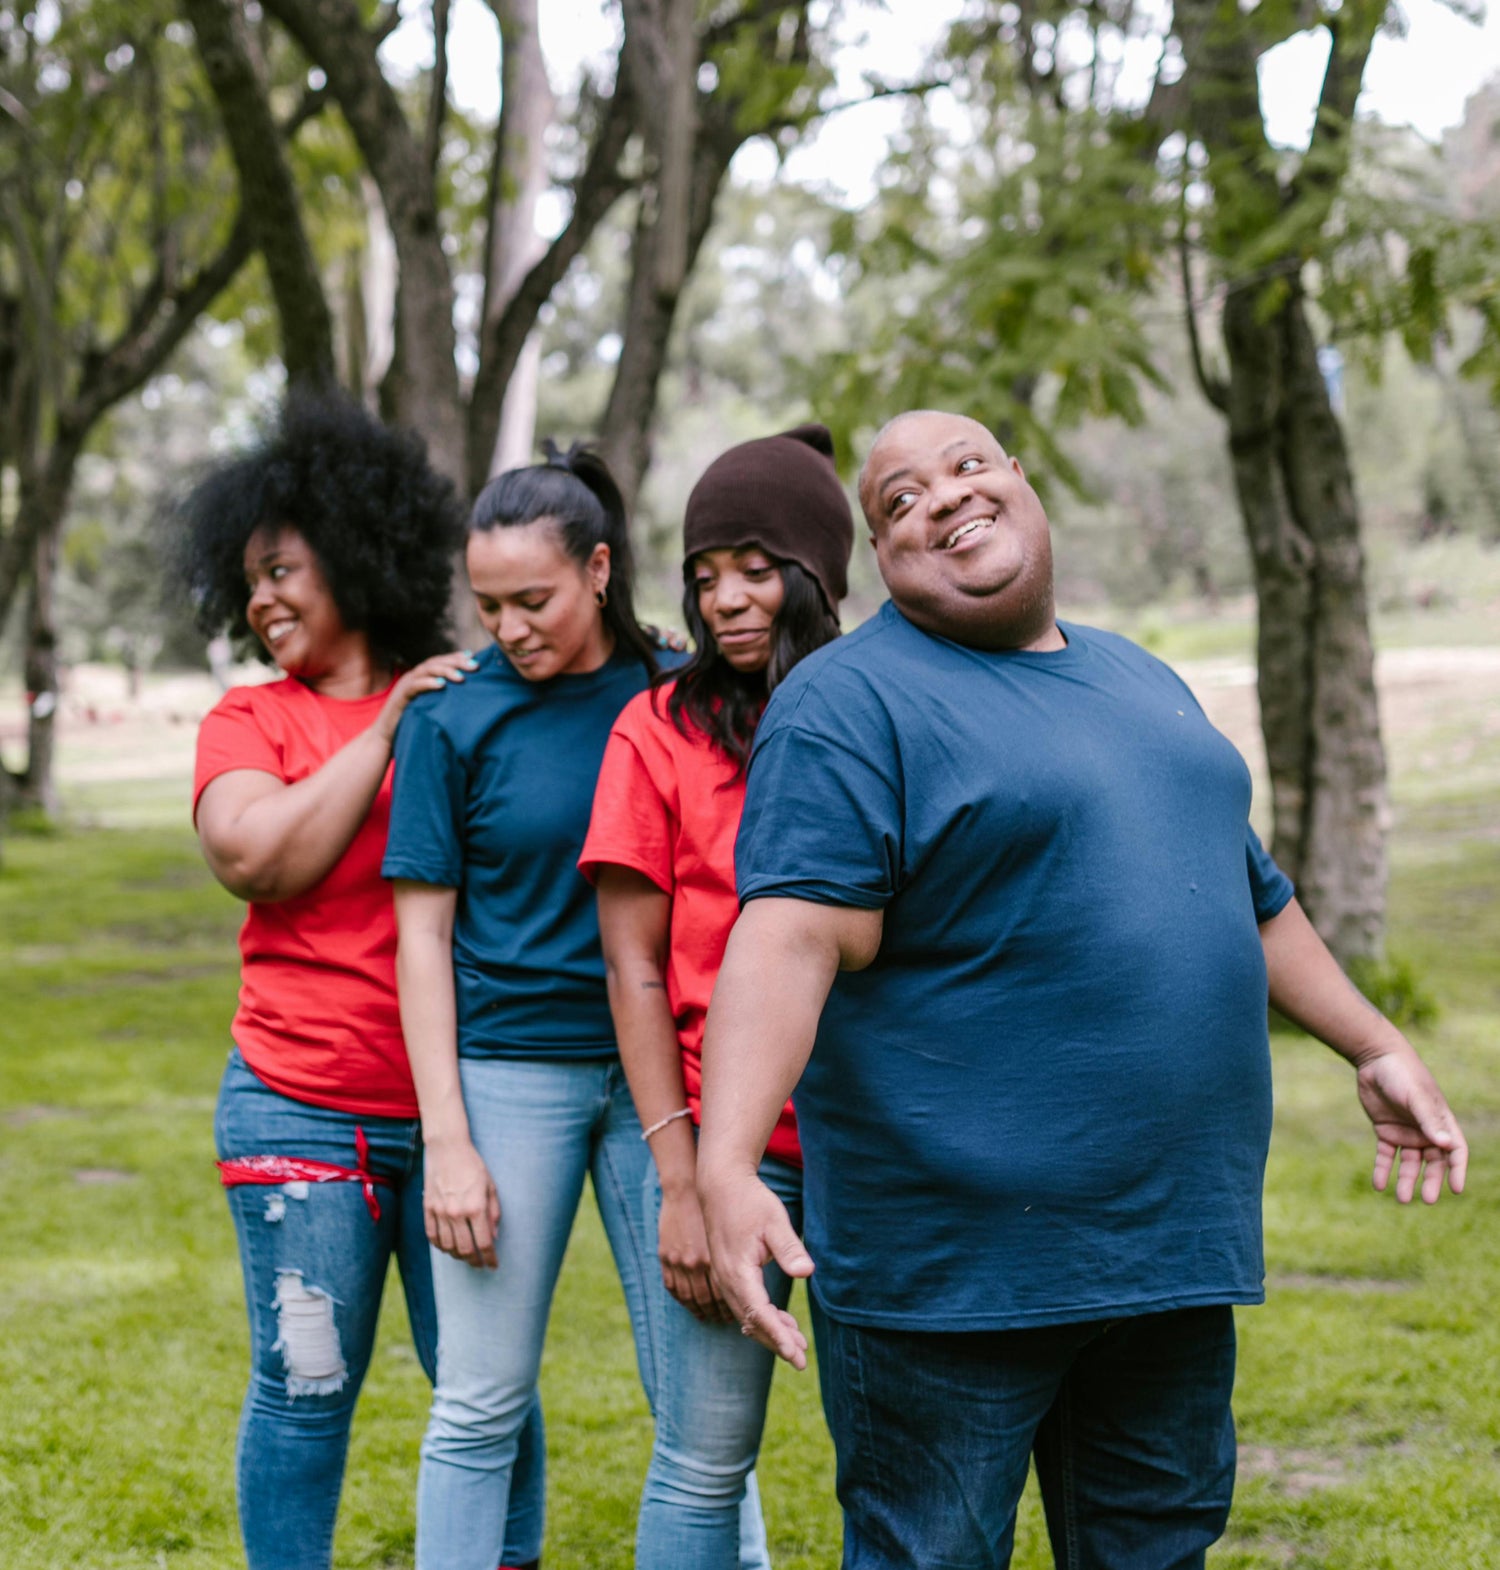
960 538
867 471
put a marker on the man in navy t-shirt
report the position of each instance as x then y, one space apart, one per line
1007 930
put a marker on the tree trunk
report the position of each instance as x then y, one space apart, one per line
39 784
518 176
1316 675
655 290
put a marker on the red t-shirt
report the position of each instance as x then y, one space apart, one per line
668 806
318 1019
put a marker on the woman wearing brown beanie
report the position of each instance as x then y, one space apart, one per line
767 537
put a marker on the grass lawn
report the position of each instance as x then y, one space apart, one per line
1369 1388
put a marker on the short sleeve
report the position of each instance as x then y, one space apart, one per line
427 805
822 820
232 736
631 824
1270 888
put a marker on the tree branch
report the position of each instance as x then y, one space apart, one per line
144 346
267 191
597 187
437 96
1353 30
1213 388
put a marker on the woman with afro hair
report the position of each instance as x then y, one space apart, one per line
330 543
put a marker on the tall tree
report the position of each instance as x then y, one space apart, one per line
1316 664
111 247
1054 221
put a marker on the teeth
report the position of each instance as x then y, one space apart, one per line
964 529
278 630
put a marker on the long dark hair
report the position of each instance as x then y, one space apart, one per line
578 493
725 704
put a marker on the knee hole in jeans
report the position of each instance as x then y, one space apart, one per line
308 1338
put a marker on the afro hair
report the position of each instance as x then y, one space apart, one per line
385 527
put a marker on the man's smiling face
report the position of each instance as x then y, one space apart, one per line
960 537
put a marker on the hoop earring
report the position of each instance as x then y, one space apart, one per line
601 598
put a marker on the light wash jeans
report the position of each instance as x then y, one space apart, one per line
540 1125
711 1389
315 1263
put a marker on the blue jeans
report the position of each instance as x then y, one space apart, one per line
540 1125
711 1389
1128 1419
315 1263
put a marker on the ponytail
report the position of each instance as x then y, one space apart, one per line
576 491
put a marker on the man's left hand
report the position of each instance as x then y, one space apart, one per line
1416 1133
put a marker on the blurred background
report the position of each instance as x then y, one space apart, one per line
1223 274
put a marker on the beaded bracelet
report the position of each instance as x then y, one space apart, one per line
671 1117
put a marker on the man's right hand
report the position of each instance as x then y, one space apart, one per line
747 1227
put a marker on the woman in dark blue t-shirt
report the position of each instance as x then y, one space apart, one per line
503 1000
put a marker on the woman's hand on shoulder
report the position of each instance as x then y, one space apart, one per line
667 638
460 1207
432 675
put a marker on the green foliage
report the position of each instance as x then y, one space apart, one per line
1398 990
1002 279
111 172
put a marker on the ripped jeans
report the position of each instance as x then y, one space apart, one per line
315 1263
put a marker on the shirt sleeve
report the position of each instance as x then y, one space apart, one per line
232 737
631 825
823 818
427 805
1270 888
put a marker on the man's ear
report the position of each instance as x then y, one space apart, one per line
1015 464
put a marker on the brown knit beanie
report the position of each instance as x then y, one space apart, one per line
781 493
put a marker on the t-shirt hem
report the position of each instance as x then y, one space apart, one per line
588 1052
410 871
1077 1313
608 856
357 1106
1276 904
813 893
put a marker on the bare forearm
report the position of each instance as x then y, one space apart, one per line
1308 987
761 1027
429 1021
652 1058
284 842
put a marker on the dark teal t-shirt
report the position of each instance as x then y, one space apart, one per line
1049 1097
494 785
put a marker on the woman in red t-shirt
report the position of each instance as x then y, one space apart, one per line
332 543
767 537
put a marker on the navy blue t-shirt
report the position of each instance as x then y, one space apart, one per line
1049 1097
494 785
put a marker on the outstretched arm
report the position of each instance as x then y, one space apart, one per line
780 963
1414 1126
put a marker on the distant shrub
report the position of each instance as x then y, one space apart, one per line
31 822
1395 988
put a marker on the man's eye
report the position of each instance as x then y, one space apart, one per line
965 465
901 499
